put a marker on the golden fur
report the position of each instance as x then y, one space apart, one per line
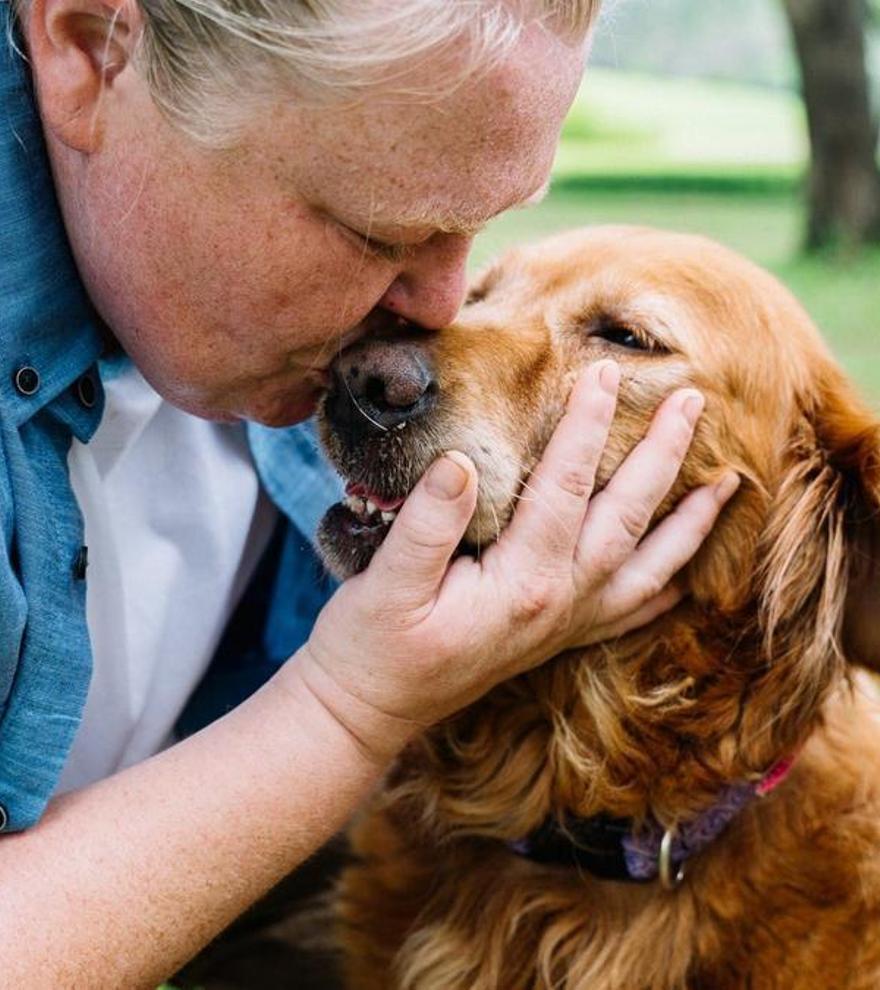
747 670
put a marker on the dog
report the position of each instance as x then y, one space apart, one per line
696 804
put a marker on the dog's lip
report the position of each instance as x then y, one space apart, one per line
383 502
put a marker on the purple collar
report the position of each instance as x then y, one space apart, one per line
612 849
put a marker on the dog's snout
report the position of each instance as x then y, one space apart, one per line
380 384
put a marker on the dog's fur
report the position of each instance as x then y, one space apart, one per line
747 670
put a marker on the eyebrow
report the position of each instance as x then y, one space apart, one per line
454 223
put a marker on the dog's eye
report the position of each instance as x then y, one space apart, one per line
622 336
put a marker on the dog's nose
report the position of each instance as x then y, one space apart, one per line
380 384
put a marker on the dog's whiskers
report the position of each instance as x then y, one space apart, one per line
363 411
497 522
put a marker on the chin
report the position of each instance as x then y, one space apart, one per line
276 411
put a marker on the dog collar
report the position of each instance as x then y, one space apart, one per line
615 849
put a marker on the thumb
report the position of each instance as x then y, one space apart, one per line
413 558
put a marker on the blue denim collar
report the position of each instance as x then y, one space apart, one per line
46 321
48 327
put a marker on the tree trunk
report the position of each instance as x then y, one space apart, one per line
844 187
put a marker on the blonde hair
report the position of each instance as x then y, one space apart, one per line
204 56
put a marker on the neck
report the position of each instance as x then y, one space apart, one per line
629 851
648 732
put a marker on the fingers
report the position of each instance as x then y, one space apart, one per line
410 565
549 518
619 516
664 552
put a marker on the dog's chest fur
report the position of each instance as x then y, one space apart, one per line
468 915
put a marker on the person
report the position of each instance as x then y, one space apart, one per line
246 189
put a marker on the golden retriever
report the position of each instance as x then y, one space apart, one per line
697 804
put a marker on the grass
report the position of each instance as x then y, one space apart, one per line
630 124
714 158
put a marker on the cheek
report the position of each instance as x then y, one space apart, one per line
644 387
628 429
505 435
500 465
280 270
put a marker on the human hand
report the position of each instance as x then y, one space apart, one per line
412 639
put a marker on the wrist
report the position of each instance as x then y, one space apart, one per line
377 736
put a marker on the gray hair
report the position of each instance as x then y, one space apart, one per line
208 61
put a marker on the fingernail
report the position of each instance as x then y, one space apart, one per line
609 376
446 478
693 406
727 486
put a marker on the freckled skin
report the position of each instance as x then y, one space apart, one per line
227 276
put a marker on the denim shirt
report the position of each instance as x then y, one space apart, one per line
50 391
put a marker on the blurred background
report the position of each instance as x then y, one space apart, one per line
754 122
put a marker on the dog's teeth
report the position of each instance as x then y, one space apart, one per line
371 507
388 517
401 426
355 504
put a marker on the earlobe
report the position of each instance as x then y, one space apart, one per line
77 49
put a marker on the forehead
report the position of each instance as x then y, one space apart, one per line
460 159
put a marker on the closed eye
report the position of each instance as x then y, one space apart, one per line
631 338
395 253
392 253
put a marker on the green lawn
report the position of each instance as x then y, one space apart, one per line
713 158
624 123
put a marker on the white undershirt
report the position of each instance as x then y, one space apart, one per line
175 522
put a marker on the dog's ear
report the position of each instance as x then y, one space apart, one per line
861 624
855 436
820 566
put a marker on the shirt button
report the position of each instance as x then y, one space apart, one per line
26 380
87 391
80 563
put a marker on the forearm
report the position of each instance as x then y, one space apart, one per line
125 880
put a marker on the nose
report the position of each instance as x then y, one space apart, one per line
379 385
430 288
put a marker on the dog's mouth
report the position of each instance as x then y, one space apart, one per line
369 511
353 530
385 419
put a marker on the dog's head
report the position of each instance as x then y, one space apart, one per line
673 311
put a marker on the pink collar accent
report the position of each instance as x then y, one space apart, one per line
775 775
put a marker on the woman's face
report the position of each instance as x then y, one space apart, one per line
233 277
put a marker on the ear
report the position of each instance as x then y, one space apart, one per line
813 584
821 571
856 436
861 624
78 48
